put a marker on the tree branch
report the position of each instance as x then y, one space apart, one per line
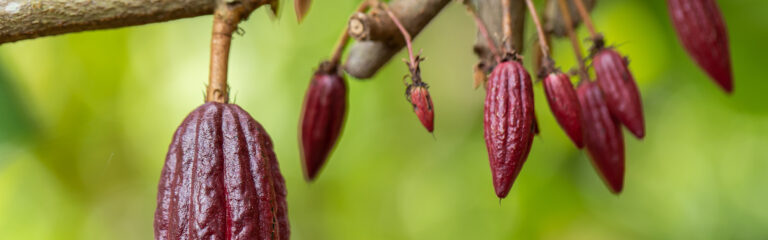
338 50
490 13
24 19
366 57
373 27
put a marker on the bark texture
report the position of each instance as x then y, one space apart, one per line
25 19
367 57
31 19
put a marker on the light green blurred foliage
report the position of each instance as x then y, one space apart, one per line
85 120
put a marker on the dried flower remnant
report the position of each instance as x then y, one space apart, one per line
418 96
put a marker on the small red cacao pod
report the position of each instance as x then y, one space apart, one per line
620 90
602 136
221 180
564 105
508 123
701 30
419 97
325 106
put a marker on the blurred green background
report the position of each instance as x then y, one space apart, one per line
86 118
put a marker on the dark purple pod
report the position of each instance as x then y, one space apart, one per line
602 136
564 105
322 118
508 123
221 180
701 30
620 90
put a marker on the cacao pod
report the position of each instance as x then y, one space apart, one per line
602 136
325 106
564 105
508 123
620 90
418 96
221 180
701 30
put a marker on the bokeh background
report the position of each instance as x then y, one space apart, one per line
86 118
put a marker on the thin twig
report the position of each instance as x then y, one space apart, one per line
484 31
224 24
364 58
542 39
587 19
506 6
574 39
338 50
406 36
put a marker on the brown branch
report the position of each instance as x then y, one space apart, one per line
365 58
21 20
506 25
483 30
490 12
338 50
372 27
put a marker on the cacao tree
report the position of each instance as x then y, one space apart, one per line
221 178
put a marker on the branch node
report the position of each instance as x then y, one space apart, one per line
369 54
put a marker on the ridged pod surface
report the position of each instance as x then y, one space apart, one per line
564 105
322 118
221 180
508 123
602 136
418 96
701 30
620 90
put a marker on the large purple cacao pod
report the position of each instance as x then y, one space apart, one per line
221 180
